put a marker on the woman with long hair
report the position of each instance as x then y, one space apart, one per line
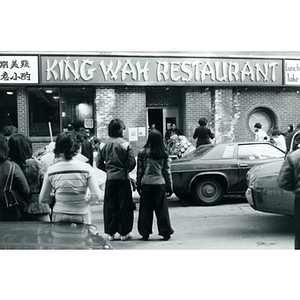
70 179
154 184
116 158
19 183
20 151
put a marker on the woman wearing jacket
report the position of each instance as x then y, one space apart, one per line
202 133
19 183
116 158
154 184
20 152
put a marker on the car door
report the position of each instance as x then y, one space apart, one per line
253 154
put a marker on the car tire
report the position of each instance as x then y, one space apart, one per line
207 192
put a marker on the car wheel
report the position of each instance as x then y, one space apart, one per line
207 192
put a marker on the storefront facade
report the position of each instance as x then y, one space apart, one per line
42 94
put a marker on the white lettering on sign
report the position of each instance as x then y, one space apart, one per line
62 69
135 71
207 71
126 70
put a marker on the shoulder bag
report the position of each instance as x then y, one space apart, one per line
12 198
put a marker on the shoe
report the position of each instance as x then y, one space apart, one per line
110 237
145 237
166 237
126 237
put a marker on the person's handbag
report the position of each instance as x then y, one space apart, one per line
12 197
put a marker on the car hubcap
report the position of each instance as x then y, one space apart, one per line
208 190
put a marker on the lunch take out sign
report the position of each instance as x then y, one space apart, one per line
109 70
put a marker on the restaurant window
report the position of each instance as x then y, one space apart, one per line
55 108
8 108
77 107
43 111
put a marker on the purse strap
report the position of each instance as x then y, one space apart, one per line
10 176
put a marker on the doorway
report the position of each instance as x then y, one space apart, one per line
163 118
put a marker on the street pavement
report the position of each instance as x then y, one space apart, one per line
233 225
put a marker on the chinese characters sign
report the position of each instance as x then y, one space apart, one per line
160 71
18 69
292 72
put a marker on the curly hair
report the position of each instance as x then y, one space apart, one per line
67 143
202 121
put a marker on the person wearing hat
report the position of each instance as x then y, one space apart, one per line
260 135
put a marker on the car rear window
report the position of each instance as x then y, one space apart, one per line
259 151
213 151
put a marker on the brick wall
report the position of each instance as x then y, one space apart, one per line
227 109
164 96
284 103
125 103
227 113
197 103
22 111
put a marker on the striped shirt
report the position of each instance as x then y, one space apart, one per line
69 179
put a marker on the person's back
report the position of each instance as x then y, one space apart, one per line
69 180
116 158
203 135
19 183
155 171
21 153
154 184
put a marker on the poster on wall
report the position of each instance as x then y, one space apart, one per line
18 69
142 131
133 134
88 123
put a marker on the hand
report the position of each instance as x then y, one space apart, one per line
169 193
139 190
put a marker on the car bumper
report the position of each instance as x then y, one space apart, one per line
249 197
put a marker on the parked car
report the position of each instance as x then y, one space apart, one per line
47 235
210 171
264 194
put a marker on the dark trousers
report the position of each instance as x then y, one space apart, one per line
297 222
153 198
117 208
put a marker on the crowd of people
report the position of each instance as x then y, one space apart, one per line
57 186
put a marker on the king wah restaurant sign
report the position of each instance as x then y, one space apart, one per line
115 70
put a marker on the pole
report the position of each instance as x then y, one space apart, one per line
50 130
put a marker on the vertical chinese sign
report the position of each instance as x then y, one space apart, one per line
18 69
